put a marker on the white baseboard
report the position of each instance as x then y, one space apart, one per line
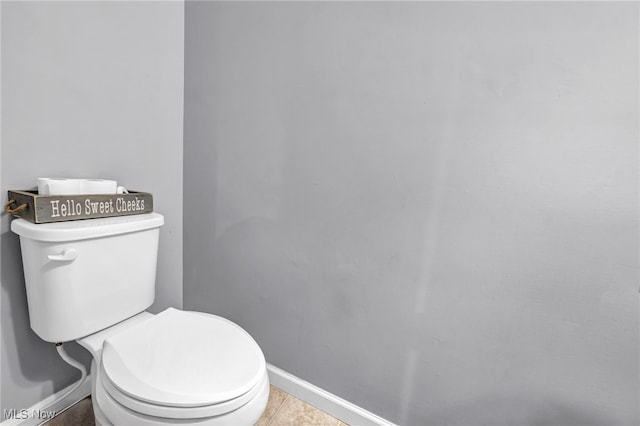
41 411
325 401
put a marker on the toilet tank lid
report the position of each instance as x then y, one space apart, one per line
87 228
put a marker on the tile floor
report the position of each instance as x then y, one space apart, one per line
80 414
282 410
287 410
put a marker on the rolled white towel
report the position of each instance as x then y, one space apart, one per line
66 186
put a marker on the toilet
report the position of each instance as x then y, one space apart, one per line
91 281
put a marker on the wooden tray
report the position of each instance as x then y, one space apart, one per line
61 208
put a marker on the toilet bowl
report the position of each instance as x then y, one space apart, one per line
91 281
176 367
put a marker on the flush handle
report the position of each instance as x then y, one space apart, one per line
66 255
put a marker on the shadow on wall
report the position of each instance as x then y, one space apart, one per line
548 410
40 369
271 266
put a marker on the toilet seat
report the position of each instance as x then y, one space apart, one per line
182 365
109 412
167 412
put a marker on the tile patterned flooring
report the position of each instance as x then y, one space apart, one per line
287 410
282 410
80 414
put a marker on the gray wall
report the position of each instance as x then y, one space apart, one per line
89 89
429 209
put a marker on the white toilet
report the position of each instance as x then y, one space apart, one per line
91 281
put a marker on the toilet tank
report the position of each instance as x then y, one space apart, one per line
86 275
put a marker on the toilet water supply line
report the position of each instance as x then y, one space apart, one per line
75 364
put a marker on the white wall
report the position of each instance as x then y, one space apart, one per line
429 209
88 89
